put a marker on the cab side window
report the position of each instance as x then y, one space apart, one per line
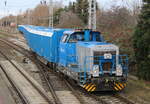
64 38
73 39
95 36
98 38
76 37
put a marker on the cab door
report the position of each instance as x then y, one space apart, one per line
68 48
71 52
63 51
71 47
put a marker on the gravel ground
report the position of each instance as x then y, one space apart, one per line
138 91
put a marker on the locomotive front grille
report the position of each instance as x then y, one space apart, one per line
107 65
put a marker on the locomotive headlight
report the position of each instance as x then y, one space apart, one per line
95 71
119 70
107 56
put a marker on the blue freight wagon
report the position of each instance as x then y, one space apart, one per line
43 41
82 55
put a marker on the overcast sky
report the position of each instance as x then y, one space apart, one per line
16 6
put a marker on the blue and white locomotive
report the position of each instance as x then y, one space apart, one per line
82 55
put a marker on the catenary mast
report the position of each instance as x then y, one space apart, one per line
51 13
92 15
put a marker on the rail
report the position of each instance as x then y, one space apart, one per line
25 101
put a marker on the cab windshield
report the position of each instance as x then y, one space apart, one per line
79 36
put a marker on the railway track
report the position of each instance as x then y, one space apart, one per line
113 99
37 92
49 84
48 77
57 86
108 99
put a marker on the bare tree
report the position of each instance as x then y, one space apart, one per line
40 15
70 20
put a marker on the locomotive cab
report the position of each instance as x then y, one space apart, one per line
70 39
93 62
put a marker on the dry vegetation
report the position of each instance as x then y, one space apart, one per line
69 20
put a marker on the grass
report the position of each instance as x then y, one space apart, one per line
138 91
